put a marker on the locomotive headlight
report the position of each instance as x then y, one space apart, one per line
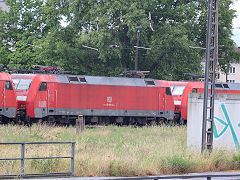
22 105
177 109
21 98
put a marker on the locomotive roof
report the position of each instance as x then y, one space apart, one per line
23 76
227 86
101 80
4 76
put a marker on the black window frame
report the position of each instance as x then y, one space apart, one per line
194 90
168 91
43 88
8 85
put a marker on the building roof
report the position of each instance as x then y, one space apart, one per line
3 6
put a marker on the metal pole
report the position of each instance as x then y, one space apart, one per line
206 79
22 158
138 37
210 70
72 158
136 57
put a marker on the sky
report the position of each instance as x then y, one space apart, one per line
236 23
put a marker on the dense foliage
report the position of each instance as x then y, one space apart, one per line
33 33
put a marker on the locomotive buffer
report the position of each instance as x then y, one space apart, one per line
210 69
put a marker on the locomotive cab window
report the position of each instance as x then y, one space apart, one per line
22 84
8 85
177 90
43 86
168 91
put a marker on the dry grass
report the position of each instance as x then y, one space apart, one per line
111 151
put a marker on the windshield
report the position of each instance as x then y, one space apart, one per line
22 84
177 90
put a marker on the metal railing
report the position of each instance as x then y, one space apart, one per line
188 176
23 158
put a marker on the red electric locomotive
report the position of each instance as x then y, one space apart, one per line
178 89
8 105
191 87
60 98
22 83
198 87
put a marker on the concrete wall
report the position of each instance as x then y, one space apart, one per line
226 121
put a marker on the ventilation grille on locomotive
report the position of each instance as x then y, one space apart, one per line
150 82
72 79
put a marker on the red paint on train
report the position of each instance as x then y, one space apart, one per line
198 87
47 96
8 105
22 83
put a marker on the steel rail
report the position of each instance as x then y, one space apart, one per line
207 176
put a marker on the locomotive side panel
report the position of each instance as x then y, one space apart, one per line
62 98
106 100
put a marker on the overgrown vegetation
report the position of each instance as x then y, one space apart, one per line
111 151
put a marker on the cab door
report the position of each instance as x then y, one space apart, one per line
42 101
52 97
9 100
2 96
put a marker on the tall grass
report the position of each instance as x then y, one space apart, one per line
111 151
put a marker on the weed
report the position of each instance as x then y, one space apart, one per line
111 151
236 160
177 164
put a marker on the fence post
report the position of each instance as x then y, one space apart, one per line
22 158
80 124
72 159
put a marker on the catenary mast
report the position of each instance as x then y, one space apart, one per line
210 70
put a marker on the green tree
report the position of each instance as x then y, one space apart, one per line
32 29
24 26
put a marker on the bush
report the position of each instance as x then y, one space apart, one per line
236 160
177 164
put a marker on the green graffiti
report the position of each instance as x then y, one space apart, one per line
228 124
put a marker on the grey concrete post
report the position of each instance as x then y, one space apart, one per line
80 124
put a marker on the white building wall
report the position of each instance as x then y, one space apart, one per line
233 74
